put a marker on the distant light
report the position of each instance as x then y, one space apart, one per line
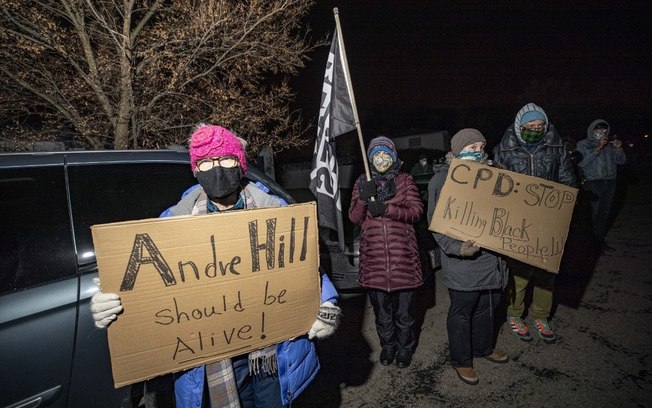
631 145
646 136
88 254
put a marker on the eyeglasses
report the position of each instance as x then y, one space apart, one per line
541 126
228 162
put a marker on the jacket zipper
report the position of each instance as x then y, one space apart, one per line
386 254
532 159
531 164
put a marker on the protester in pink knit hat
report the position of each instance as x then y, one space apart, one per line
262 377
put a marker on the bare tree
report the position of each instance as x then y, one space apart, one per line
142 73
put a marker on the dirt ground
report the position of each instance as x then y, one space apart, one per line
602 358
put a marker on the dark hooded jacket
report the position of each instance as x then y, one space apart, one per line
548 159
598 164
389 255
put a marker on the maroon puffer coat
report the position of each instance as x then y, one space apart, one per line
389 255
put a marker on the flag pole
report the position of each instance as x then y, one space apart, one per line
347 76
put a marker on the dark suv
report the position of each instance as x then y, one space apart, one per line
51 352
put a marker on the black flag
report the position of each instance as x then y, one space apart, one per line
335 118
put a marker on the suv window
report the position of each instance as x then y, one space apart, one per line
121 192
36 240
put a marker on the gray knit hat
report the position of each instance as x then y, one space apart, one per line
464 138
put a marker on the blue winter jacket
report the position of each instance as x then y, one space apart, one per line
598 164
297 359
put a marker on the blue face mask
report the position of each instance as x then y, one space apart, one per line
471 155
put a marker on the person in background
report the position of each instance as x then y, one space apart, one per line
273 376
475 277
421 167
421 173
385 208
599 164
532 146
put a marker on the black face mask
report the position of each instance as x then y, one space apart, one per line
219 182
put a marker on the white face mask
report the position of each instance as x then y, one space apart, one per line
599 133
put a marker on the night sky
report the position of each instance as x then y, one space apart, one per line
444 65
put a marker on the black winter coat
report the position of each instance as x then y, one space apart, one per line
548 160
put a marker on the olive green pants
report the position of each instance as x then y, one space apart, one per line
521 275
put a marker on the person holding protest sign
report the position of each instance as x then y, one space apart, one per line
386 207
273 376
532 146
599 163
475 277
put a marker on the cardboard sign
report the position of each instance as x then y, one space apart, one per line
197 289
522 217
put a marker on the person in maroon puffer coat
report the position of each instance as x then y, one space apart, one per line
390 266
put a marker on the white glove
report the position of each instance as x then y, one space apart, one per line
105 307
327 321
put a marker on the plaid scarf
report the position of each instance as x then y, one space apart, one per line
222 387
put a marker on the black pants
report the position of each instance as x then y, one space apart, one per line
470 324
600 194
394 313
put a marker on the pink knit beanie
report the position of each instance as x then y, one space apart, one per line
215 141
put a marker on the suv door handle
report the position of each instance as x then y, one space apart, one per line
37 400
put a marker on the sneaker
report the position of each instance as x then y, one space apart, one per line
519 328
545 332
387 356
467 375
